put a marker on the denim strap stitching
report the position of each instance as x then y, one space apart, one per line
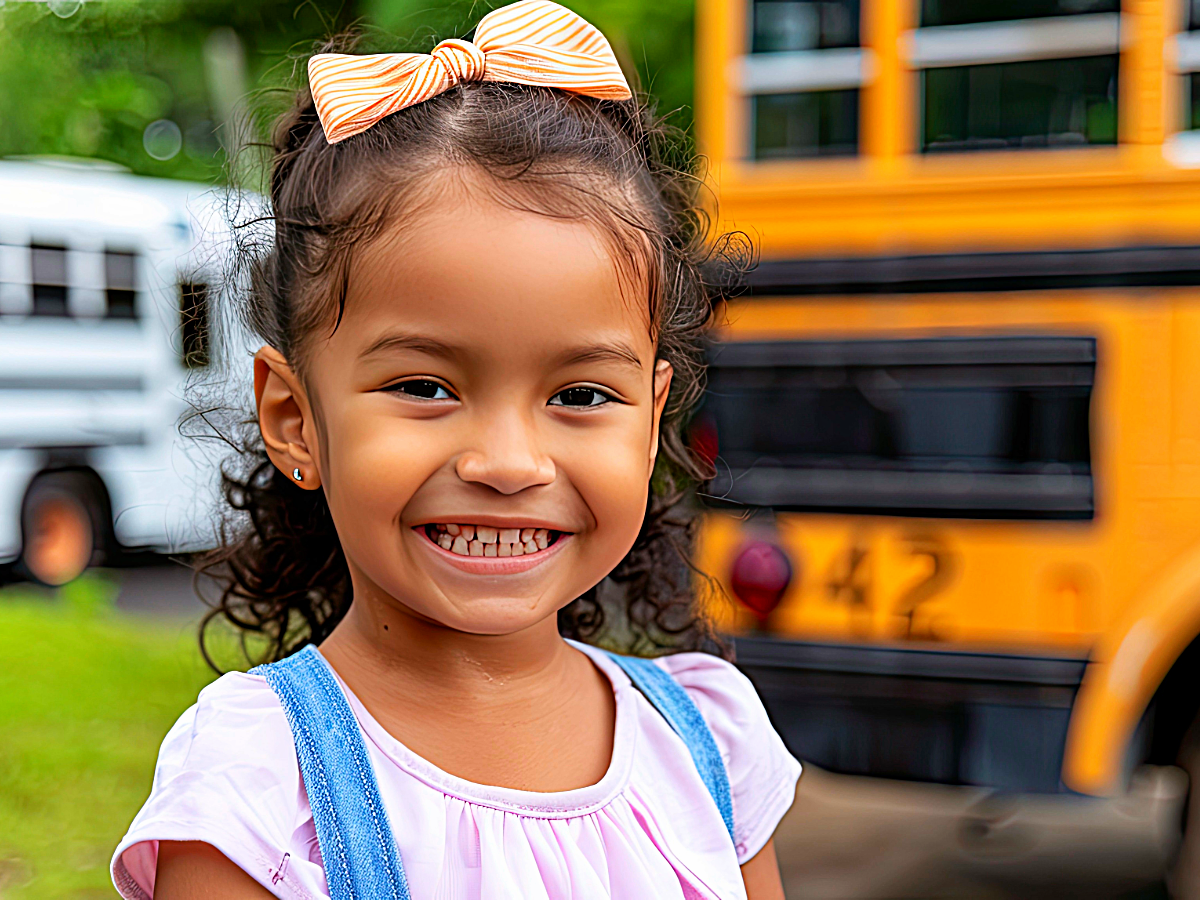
369 790
362 861
316 780
673 703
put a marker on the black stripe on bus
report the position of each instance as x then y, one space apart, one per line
99 439
918 714
39 382
999 350
1115 267
898 661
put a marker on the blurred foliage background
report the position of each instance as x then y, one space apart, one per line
163 87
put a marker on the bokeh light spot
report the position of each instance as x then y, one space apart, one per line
64 9
162 139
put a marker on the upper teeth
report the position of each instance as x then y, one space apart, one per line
484 540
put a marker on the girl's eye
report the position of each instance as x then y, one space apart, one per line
421 389
580 396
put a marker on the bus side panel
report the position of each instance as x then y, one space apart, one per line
1121 582
997 583
17 467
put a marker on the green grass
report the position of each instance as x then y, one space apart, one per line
86 696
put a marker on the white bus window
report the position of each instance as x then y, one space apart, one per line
120 297
48 266
193 324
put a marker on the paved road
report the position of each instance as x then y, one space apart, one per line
164 589
157 586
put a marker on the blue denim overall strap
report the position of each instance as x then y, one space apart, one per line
672 701
361 859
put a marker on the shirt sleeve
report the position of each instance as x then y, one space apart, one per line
227 776
762 773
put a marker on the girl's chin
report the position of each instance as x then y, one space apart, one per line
496 616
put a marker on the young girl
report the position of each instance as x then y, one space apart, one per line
483 313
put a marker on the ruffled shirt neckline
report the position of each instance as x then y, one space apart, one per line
535 804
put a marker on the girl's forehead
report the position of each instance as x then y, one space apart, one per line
482 277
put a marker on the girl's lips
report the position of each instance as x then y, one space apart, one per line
493 565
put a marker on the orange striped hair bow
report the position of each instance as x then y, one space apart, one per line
534 42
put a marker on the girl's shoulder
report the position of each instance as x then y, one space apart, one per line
227 752
762 772
236 715
725 697
233 743
235 720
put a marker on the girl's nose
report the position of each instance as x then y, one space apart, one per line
507 456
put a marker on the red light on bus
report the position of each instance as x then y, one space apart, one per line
761 575
702 438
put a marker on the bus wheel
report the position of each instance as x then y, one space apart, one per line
62 526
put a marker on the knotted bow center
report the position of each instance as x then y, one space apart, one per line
462 59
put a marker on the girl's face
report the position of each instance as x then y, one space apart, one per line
484 419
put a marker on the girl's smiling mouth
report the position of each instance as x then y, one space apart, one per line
489 549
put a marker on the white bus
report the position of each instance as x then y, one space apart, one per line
107 284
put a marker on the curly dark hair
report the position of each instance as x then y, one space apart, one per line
280 566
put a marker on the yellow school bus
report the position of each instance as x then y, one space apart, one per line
956 418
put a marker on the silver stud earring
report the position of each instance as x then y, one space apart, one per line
296 474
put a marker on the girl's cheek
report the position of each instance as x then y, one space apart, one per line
611 474
377 463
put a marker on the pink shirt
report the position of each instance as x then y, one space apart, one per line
227 775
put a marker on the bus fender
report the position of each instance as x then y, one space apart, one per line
1127 664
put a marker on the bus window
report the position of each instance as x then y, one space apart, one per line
817 123
1187 63
193 324
788 25
119 285
967 12
963 427
1193 101
1044 103
48 266
14 279
1012 75
802 78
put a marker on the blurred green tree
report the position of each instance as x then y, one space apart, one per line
652 38
160 87
87 79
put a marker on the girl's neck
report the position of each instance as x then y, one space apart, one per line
382 643
520 710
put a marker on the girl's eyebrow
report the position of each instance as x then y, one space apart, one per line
411 342
606 352
615 351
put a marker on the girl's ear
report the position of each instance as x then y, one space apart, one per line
663 372
285 418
